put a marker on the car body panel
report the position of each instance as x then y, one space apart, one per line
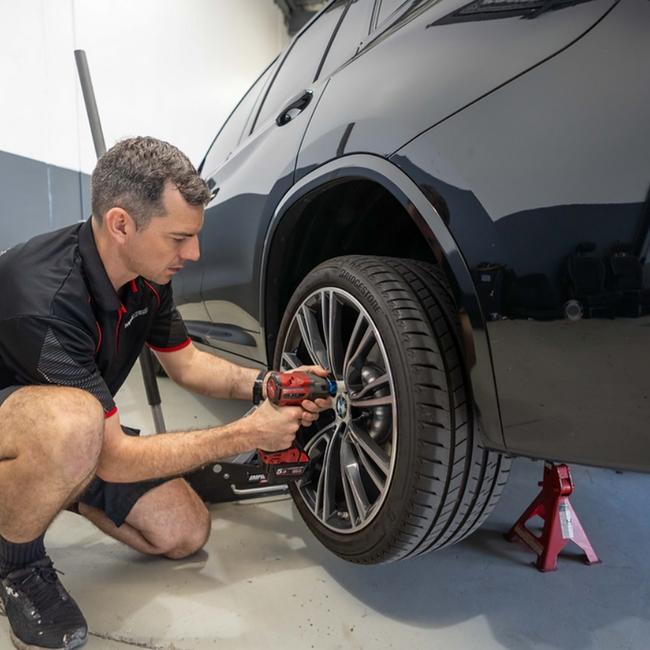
460 63
567 162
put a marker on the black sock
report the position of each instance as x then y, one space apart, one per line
15 556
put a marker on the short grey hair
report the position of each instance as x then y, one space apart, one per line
133 173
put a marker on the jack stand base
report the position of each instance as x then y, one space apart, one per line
561 523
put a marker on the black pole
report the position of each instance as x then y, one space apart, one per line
146 357
89 100
147 365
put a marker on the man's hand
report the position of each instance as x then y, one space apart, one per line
315 407
274 427
311 407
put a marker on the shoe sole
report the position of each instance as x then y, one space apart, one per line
70 645
75 642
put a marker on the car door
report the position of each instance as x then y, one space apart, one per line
187 283
248 183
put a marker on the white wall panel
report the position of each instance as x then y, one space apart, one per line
37 101
169 68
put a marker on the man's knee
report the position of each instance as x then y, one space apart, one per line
192 537
67 428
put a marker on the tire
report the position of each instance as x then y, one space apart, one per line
398 468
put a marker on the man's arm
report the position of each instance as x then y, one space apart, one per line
208 374
126 459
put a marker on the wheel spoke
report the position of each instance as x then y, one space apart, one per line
326 490
372 386
371 448
305 337
387 400
354 361
290 360
311 336
369 466
334 342
350 469
353 338
326 299
349 500
318 436
331 316
324 313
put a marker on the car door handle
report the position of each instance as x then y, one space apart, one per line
295 107
213 187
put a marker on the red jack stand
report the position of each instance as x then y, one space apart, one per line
561 523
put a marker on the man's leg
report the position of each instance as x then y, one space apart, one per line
50 440
169 520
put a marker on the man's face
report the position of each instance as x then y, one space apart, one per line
161 249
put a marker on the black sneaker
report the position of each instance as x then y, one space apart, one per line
41 612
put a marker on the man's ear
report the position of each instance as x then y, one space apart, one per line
118 224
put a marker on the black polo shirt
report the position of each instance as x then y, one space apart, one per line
62 322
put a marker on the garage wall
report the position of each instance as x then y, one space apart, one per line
173 69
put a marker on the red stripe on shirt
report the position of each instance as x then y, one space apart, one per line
120 312
182 345
111 413
155 292
99 342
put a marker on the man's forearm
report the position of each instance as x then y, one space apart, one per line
126 459
213 376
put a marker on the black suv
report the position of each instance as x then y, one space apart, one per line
445 204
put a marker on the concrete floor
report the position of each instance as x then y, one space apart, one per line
263 581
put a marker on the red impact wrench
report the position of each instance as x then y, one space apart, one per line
290 389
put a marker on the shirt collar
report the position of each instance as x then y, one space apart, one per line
101 288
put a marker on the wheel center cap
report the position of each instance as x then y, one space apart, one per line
341 406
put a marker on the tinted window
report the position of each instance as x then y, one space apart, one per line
351 32
228 137
299 68
386 9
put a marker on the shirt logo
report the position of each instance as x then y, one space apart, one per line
135 314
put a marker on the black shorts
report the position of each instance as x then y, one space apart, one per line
115 499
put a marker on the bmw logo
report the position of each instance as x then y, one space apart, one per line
341 406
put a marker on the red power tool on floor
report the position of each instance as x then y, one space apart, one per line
290 389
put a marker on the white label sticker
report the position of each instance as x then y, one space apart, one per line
565 521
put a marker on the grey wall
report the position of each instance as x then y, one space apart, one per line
36 197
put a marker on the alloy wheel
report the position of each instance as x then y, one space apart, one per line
352 446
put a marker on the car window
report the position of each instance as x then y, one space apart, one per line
299 67
230 133
353 29
386 8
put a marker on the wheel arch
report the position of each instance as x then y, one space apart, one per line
316 220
